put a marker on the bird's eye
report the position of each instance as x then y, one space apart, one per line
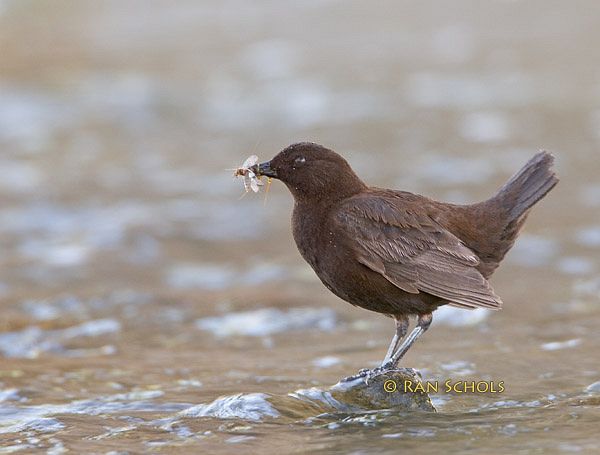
300 160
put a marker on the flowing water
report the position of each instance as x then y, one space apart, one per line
145 307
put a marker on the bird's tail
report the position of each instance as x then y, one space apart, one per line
526 187
500 218
512 202
494 224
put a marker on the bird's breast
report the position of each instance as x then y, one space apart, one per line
315 239
307 231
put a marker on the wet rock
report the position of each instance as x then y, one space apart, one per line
352 398
396 389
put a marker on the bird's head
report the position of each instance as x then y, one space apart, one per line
313 173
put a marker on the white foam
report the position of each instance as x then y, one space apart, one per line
32 341
556 345
268 321
326 362
249 406
459 317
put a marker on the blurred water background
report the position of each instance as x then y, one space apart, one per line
136 287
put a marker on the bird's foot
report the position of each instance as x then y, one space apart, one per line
363 373
382 369
368 374
390 365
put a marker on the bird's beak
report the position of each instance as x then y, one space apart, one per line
266 170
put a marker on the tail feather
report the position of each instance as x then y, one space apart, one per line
527 186
501 217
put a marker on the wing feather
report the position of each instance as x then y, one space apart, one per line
413 251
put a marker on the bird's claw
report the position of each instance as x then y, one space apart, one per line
362 373
368 374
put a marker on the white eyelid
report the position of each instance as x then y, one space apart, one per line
300 160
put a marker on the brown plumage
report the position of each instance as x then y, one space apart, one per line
399 253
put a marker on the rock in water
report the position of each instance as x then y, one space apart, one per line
385 391
349 398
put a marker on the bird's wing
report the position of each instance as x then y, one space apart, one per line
412 251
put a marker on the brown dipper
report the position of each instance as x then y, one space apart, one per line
398 253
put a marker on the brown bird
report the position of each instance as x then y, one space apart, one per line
398 253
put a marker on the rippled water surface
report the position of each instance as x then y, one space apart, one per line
147 308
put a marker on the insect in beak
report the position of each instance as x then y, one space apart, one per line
251 180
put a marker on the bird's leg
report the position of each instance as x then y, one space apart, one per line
423 324
401 329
